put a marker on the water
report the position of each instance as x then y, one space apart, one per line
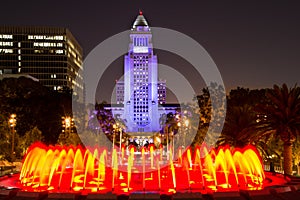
68 169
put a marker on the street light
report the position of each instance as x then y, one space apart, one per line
186 125
172 135
119 128
12 123
67 124
114 135
179 125
167 128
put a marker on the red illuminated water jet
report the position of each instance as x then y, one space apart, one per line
98 170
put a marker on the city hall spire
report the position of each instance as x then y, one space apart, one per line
140 20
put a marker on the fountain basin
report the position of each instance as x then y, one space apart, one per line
76 169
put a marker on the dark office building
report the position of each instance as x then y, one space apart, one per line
50 54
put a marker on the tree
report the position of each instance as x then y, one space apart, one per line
30 137
5 133
35 106
296 155
212 110
242 96
170 127
69 139
240 126
283 116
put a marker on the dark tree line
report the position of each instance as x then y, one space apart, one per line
265 117
259 117
34 106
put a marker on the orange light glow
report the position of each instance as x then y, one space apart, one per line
78 169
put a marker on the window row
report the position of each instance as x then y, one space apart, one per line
140 65
44 70
140 76
161 91
142 124
46 37
140 103
52 82
140 80
140 111
143 87
6 36
140 41
141 107
143 61
140 119
141 57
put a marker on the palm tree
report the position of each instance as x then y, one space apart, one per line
240 126
282 114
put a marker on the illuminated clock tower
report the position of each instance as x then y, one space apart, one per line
140 80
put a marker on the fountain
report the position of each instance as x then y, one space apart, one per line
73 169
61 172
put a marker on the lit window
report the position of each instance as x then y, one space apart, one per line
45 37
59 37
38 51
47 44
37 44
2 36
6 51
6 43
60 51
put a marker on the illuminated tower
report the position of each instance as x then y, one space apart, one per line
140 80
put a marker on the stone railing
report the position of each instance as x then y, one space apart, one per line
277 168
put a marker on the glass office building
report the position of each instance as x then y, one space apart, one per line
50 54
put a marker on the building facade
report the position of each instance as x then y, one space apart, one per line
161 89
141 97
140 80
50 54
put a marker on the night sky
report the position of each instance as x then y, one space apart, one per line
254 44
